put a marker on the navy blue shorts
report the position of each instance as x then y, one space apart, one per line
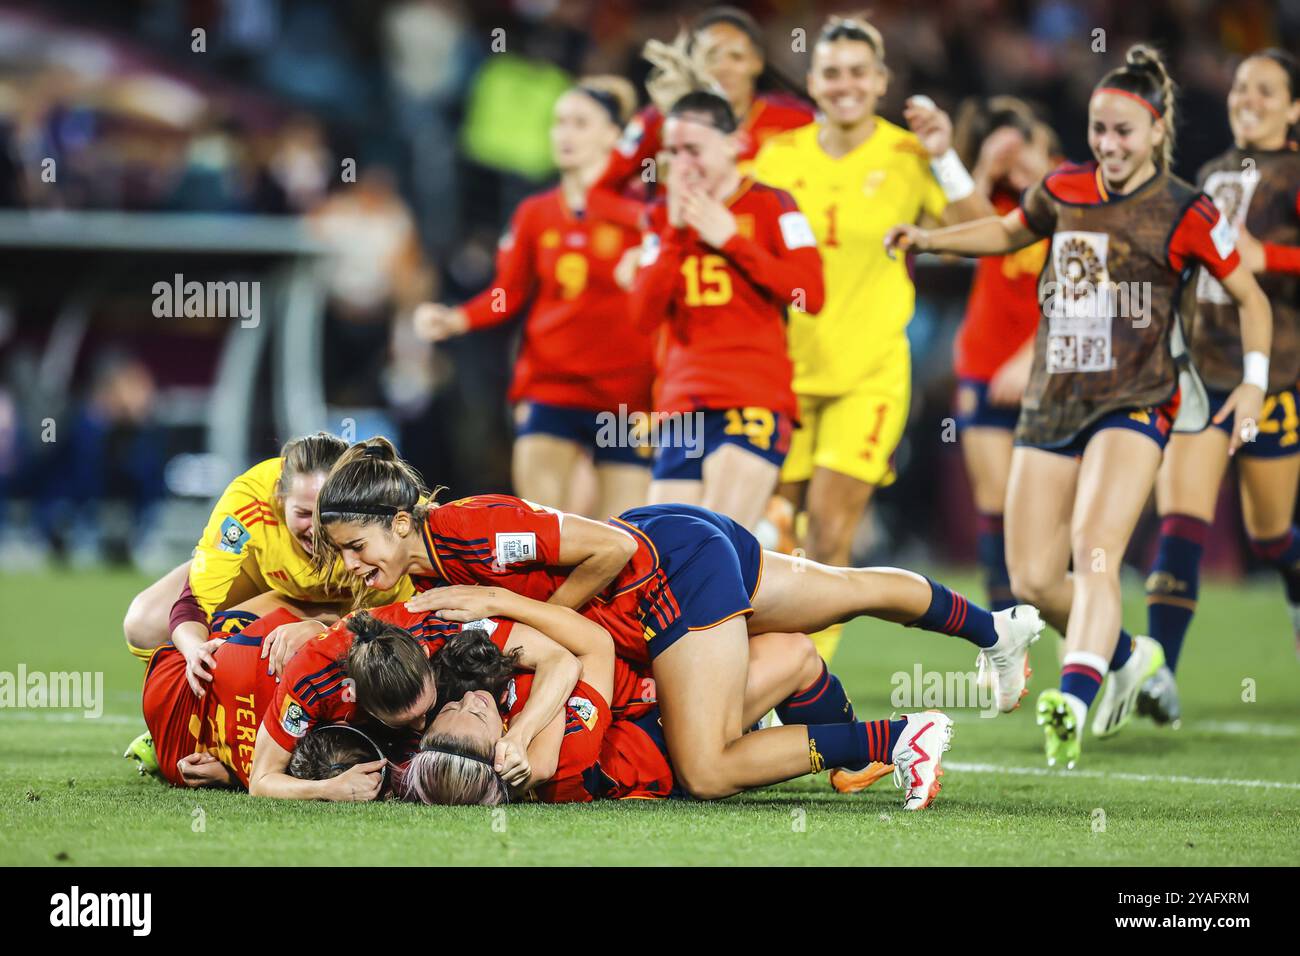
583 427
759 430
1155 422
1279 424
972 408
707 571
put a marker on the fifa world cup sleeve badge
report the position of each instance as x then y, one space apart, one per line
233 536
294 719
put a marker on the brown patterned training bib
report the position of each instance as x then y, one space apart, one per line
1258 188
1109 299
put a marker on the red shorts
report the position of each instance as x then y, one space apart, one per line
169 709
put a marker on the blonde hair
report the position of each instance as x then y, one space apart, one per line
622 91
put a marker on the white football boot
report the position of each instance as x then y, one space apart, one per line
1004 667
1116 705
918 757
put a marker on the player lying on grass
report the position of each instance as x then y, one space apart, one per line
210 738
680 589
628 758
378 661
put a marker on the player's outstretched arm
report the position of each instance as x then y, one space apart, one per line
270 778
991 236
556 672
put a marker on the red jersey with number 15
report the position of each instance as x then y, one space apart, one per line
724 309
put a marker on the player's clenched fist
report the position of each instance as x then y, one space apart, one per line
906 238
358 784
435 322
510 761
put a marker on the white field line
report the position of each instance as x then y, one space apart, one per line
1245 728
67 716
1117 775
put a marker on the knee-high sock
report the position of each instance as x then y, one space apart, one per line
1283 553
992 553
853 745
821 702
950 613
1174 582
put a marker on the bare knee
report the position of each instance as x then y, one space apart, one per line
703 782
802 653
139 625
1031 584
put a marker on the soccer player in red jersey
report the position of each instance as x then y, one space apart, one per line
1009 151
723 258
380 658
191 732
687 589
723 50
1110 373
583 369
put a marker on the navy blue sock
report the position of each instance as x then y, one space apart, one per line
853 745
1123 650
1283 553
992 553
1174 582
950 613
822 702
1081 679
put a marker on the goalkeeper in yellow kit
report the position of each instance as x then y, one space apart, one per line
855 175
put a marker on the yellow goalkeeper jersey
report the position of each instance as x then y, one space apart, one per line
852 202
247 550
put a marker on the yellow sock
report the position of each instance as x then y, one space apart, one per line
827 641
141 654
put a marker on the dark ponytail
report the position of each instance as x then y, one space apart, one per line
369 484
1144 76
469 662
388 667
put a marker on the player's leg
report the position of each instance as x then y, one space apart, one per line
986 452
1039 502
622 486
701 680
542 465
1187 489
147 623
782 669
1268 499
738 483
835 505
677 476
1116 476
794 594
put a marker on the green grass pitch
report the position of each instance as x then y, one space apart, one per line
1224 789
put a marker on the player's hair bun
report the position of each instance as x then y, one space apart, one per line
365 626
380 448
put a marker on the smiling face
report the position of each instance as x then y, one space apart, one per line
582 133
700 155
731 61
846 81
379 556
417 716
1260 107
1124 137
298 504
474 718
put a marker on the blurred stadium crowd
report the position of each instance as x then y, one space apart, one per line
441 107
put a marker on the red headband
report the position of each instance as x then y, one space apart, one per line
1133 96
